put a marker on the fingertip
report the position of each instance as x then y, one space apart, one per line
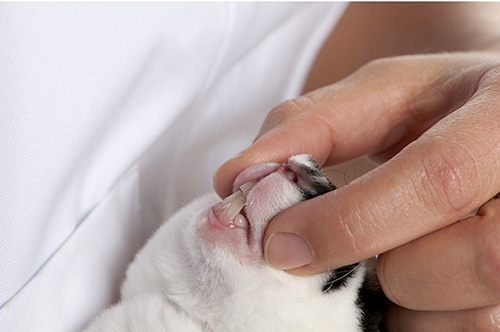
293 254
291 243
267 149
225 175
287 251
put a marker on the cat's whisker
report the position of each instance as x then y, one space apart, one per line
332 273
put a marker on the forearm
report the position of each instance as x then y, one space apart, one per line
373 30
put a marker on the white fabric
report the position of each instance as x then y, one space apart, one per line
114 115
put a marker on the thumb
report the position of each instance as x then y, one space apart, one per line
433 182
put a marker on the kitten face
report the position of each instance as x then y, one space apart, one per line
207 261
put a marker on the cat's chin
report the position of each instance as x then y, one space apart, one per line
237 224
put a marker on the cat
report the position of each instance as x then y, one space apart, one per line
203 270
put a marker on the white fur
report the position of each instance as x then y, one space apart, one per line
179 282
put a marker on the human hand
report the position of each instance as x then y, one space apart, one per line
434 121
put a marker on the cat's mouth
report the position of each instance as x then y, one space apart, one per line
240 219
230 212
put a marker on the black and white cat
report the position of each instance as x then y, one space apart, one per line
203 270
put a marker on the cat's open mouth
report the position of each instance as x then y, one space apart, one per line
259 193
230 212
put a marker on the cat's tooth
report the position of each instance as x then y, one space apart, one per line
241 221
237 203
227 210
246 187
231 199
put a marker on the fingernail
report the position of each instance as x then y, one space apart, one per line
285 251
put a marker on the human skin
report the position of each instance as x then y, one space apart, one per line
433 122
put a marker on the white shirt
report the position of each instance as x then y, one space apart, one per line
112 116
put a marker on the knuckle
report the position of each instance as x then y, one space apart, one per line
277 115
377 64
376 70
384 64
347 229
389 66
353 226
450 180
490 78
287 113
352 244
289 109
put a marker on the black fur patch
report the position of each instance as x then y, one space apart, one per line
372 301
316 179
338 278
321 185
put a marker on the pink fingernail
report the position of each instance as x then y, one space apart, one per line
285 251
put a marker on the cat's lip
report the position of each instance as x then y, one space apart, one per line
230 212
255 173
248 179
227 223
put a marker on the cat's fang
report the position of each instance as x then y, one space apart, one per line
235 204
227 212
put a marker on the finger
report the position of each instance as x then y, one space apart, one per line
381 106
399 319
455 268
438 179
